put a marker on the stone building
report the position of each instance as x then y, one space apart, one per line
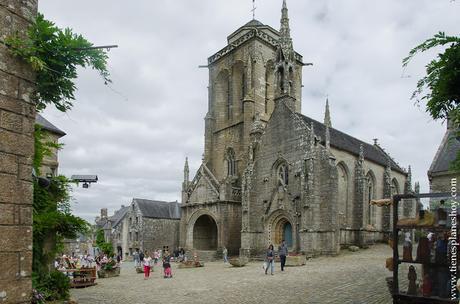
440 174
270 173
52 134
17 117
145 225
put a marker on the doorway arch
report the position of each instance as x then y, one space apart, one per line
205 233
280 227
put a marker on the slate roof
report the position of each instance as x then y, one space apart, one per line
158 209
447 152
46 125
118 216
254 22
345 142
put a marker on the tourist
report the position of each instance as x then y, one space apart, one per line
147 265
167 265
136 259
141 257
182 254
269 259
283 252
225 254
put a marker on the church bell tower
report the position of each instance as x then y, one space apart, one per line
246 77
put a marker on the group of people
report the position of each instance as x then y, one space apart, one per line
74 261
271 254
148 260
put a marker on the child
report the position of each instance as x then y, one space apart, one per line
147 265
167 265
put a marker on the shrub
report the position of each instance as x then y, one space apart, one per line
54 285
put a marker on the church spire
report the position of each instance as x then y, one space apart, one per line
285 40
186 171
327 115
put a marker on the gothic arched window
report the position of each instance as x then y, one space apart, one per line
231 163
343 191
370 193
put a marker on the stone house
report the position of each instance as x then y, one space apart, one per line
440 174
51 134
271 173
145 225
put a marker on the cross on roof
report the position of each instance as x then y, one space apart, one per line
253 9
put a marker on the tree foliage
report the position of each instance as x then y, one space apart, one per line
440 87
54 55
52 222
105 247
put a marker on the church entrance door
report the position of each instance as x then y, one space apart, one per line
282 231
287 232
205 233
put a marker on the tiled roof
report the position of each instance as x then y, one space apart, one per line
345 142
118 216
447 153
158 209
46 125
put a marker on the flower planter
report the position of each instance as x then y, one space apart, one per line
296 260
190 264
238 261
108 273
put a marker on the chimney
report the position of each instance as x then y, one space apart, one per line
103 213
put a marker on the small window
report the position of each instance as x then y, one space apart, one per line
231 163
137 236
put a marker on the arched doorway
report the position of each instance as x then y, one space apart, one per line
205 233
283 231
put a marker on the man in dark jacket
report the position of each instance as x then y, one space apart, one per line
283 252
141 257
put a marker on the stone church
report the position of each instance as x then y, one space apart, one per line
269 172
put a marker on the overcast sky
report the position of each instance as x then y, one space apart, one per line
136 133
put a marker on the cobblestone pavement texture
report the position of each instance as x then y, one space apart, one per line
355 278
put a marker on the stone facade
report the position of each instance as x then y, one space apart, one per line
270 173
145 225
51 134
17 116
440 173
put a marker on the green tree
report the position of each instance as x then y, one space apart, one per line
104 246
53 221
440 87
54 55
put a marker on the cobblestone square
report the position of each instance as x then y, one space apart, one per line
355 278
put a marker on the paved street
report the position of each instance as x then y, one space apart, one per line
349 278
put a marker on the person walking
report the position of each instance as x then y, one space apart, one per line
283 252
270 259
141 258
225 254
147 264
136 259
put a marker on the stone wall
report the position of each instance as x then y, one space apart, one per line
441 182
17 117
160 232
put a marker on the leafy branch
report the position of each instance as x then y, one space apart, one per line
54 54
